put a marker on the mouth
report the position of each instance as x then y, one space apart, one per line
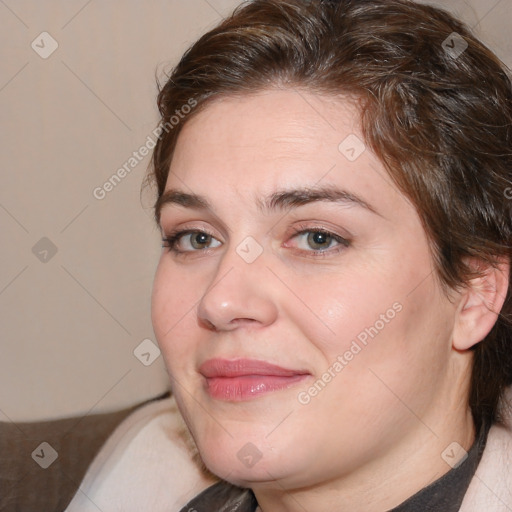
243 379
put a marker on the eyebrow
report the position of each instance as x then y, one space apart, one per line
277 201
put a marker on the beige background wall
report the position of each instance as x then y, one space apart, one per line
70 321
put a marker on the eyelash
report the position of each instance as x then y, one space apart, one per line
343 242
170 241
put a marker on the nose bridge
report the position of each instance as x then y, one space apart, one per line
236 291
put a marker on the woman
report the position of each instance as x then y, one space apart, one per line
333 300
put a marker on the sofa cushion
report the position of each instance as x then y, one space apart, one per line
30 478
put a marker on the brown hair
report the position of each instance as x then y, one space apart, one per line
440 120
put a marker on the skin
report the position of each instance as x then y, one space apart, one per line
375 434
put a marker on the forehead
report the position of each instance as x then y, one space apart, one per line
250 146
270 124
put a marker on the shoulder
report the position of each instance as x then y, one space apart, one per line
491 487
148 463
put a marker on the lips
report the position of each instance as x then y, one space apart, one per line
243 379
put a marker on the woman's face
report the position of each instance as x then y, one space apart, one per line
298 314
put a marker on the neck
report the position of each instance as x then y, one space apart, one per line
416 462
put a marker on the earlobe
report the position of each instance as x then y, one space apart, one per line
480 305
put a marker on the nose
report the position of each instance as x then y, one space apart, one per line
240 294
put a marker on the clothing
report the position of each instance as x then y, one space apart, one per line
445 494
149 464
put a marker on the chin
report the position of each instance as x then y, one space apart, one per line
229 467
248 457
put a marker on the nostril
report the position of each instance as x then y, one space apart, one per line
203 322
242 321
236 322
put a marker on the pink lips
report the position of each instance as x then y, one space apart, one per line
243 379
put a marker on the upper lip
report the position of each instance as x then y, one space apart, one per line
241 367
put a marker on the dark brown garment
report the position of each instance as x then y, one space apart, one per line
443 495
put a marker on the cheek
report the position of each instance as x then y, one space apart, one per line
373 318
342 308
387 349
173 301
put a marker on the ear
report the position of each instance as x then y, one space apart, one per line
480 304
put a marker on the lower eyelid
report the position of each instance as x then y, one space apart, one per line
338 238
174 239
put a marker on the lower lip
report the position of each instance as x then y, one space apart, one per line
238 389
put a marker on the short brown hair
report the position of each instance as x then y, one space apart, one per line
439 120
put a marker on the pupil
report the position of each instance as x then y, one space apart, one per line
319 239
200 239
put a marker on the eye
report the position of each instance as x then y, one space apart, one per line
318 241
190 241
